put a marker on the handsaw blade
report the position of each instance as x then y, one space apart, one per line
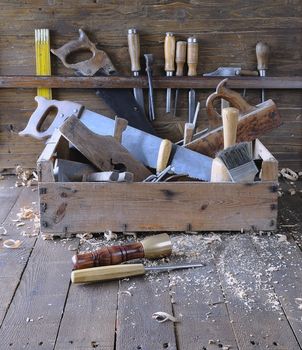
224 72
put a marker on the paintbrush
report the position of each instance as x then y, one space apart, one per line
239 163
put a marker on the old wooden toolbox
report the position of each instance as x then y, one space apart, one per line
70 207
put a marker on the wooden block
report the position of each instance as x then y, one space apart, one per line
104 152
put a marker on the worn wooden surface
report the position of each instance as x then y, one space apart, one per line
182 206
246 296
227 35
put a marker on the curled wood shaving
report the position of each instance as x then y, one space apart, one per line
162 316
3 231
47 237
211 239
12 244
289 174
282 238
109 235
26 177
125 292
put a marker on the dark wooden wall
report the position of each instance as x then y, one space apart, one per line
227 32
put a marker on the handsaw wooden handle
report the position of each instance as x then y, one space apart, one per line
163 155
98 61
134 49
192 56
64 109
106 273
235 99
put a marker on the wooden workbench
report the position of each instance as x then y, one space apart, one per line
247 296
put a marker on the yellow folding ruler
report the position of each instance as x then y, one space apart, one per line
43 65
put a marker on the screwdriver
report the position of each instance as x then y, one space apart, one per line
169 64
192 60
180 59
112 272
262 53
134 52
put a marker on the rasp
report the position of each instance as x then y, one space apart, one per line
143 146
121 101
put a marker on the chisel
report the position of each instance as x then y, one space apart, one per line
134 52
113 272
262 52
180 59
169 64
192 60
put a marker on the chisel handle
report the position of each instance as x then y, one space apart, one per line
180 59
164 152
106 273
134 49
189 132
169 52
192 56
262 53
108 256
230 118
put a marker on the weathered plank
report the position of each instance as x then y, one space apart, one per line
13 261
257 318
138 206
34 315
8 196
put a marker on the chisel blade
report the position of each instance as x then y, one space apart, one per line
139 97
192 105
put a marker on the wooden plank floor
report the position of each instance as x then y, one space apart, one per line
248 294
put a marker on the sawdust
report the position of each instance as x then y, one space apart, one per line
23 216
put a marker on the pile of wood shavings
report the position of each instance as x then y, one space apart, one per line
28 214
26 177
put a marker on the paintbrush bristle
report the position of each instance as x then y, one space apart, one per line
239 163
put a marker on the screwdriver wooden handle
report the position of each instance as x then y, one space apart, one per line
108 256
262 53
169 52
163 155
134 49
106 273
180 59
230 118
192 56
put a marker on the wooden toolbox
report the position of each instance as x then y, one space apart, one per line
67 208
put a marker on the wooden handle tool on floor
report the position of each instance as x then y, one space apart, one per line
157 246
230 118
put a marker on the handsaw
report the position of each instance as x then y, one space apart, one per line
121 101
254 121
43 64
143 146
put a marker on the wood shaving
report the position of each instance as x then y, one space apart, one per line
162 316
12 244
26 177
282 238
211 239
125 292
26 214
19 224
2 177
289 174
292 191
3 231
72 247
47 237
109 235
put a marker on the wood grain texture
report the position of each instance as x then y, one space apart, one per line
157 207
8 196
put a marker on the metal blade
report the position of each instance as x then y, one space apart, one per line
172 267
224 72
168 100
139 97
192 105
145 147
175 102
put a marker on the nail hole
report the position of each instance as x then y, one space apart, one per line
252 342
40 343
275 343
165 345
71 341
139 347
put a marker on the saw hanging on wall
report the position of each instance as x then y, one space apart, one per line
121 101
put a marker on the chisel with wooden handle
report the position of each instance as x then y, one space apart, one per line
157 246
113 272
180 59
262 53
169 64
134 52
192 60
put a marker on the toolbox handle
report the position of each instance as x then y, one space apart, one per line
62 110
235 99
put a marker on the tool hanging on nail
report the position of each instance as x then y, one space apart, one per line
149 61
134 52
113 272
169 64
43 64
192 60
180 59
262 54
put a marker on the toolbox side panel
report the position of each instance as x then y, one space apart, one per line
95 207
